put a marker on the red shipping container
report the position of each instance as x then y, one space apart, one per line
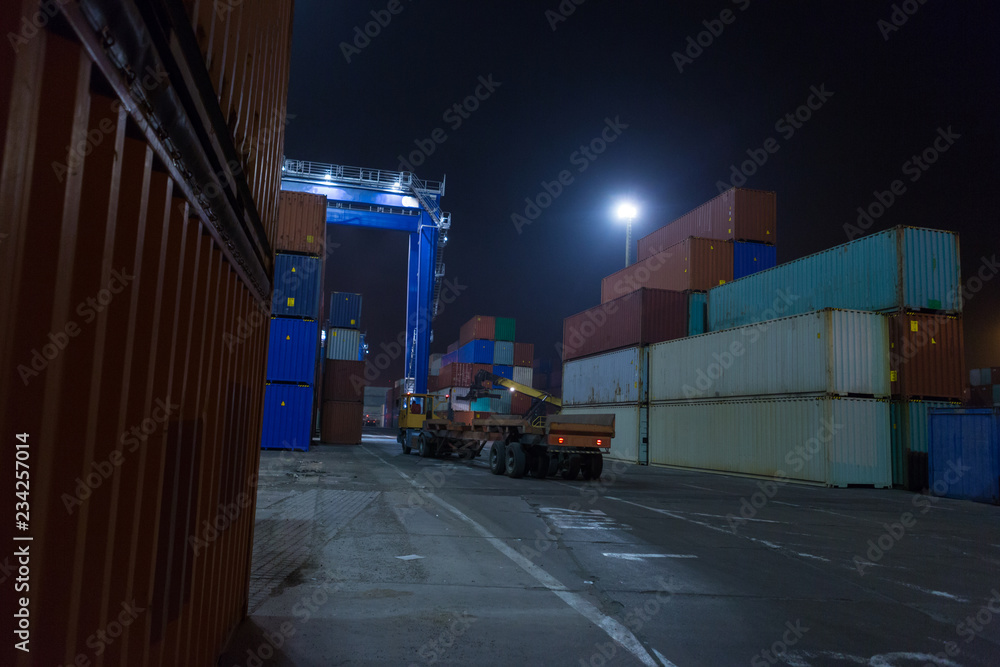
524 354
520 404
341 422
480 327
641 318
344 380
692 265
927 359
740 214
475 370
467 417
301 223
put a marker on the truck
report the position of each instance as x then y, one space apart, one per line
570 446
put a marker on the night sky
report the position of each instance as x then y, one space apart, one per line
888 93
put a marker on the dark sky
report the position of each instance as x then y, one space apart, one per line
684 132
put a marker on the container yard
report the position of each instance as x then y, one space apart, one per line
267 401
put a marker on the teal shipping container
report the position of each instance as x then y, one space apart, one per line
505 327
697 313
503 353
909 441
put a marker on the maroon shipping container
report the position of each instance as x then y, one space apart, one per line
520 404
475 371
301 223
461 375
927 359
467 417
480 327
641 318
344 380
524 354
691 265
342 422
739 214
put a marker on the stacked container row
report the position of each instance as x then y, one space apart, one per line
342 413
984 387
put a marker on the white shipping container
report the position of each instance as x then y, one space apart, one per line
613 377
829 440
838 352
522 375
343 344
628 427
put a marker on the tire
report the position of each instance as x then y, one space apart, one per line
572 468
516 460
592 466
539 468
553 465
426 448
498 458
406 448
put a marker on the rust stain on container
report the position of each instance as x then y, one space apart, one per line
643 317
927 359
694 264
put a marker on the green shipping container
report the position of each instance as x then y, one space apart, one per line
505 328
909 435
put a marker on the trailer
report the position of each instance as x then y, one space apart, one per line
568 445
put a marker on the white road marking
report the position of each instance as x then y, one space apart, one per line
719 516
410 557
663 659
567 519
939 594
639 557
618 632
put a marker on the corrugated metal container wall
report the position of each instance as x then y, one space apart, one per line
994 375
523 375
964 454
297 286
833 441
520 404
502 404
504 371
697 313
828 352
749 258
975 378
345 310
436 363
292 349
614 377
872 273
481 405
740 214
453 347
694 264
301 223
524 354
504 329
480 327
343 344
928 356
625 444
183 336
343 380
457 375
477 352
909 436
287 417
641 318
503 353
342 422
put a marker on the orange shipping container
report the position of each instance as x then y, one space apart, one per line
693 265
301 223
480 327
927 359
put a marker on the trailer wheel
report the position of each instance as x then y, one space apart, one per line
516 460
592 466
553 464
572 468
426 448
498 458
406 448
539 465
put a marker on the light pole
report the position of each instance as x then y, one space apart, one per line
627 212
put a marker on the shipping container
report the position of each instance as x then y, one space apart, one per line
504 371
344 380
908 421
476 352
964 454
520 404
468 417
901 268
524 354
841 352
825 440
629 428
523 375
462 374
996 394
345 310
697 313
504 329
287 417
291 350
296 286
301 223
436 361
502 404
976 377
613 377
453 347
740 214
927 356
693 264
342 422
640 318
481 405
503 353
749 258
480 327
343 344
995 375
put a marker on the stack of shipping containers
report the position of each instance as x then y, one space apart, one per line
170 222
343 372
984 385
289 398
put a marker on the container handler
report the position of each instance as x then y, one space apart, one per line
568 445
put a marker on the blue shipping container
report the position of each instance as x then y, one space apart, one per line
750 258
909 434
504 371
697 306
964 456
296 286
287 417
291 350
903 267
503 353
345 310
476 352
